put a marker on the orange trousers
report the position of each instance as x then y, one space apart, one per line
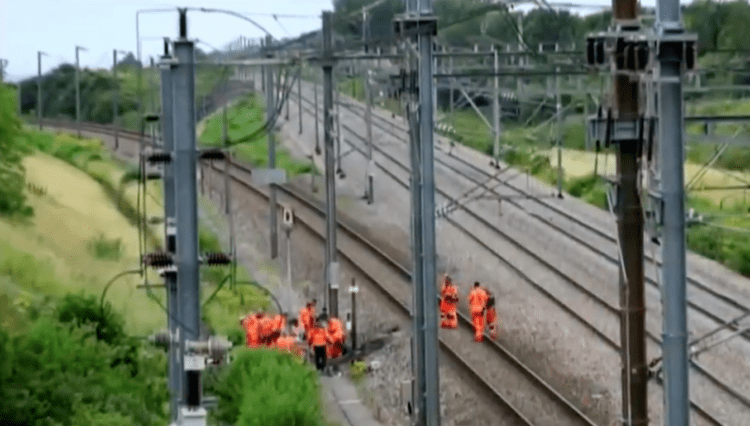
477 320
449 319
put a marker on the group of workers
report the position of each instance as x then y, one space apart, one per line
324 335
481 308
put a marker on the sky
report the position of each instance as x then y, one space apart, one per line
57 26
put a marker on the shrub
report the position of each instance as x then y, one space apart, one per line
263 387
358 370
106 249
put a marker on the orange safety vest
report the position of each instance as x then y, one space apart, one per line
318 336
448 298
477 301
336 330
279 323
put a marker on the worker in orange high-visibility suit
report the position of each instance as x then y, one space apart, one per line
307 316
279 325
317 339
288 343
448 304
336 338
477 304
265 326
491 314
252 334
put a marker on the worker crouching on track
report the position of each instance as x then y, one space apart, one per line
491 314
252 332
317 338
448 304
278 326
477 305
336 338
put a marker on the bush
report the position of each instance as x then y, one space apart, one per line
12 149
264 387
358 370
102 248
61 374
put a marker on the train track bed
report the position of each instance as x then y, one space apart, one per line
350 163
519 393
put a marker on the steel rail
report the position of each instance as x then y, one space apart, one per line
465 321
529 280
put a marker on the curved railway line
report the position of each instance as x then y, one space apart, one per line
513 386
568 409
550 281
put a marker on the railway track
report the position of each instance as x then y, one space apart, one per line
515 388
543 283
730 308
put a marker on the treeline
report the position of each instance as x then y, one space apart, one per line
98 89
719 25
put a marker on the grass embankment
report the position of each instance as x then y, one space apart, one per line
246 118
84 233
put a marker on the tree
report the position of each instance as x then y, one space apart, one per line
12 176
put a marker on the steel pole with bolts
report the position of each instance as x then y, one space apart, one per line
368 118
427 402
186 198
170 277
271 116
671 156
331 271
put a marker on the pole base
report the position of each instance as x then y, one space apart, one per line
192 417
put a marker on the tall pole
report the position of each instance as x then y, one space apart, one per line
186 198
270 114
427 398
39 106
317 130
3 63
330 251
299 98
558 130
496 110
671 127
338 132
78 91
368 119
115 99
170 278
630 230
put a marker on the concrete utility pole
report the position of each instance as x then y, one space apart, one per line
299 98
558 132
78 91
496 111
116 98
3 64
270 114
331 254
419 18
39 106
368 118
170 275
339 170
674 50
317 130
630 230
186 199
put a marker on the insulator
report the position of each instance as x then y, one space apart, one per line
215 259
212 154
159 157
158 259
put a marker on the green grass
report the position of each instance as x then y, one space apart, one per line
245 118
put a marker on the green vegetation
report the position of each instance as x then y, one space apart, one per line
358 371
246 118
264 387
12 178
71 364
99 87
106 249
